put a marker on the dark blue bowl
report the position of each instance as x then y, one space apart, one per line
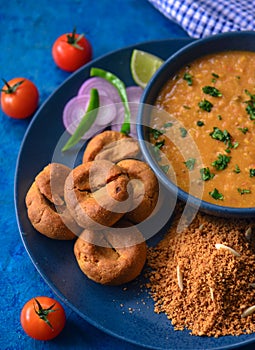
223 42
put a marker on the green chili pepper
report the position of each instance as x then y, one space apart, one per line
120 86
86 121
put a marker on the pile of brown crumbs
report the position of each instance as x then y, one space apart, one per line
203 278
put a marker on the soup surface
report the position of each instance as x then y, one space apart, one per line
203 128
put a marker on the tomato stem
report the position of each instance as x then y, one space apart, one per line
43 313
73 40
11 89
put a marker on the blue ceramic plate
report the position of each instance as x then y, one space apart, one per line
126 313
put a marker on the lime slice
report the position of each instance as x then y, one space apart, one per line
143 65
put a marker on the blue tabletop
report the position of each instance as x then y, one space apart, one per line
29 29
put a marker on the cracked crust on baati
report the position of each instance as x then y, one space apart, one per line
111 145
145 189
117 258
46 207
96 193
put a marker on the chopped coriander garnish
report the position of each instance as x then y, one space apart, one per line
243 191
237 169
168 125
219 117
190 163
159 144
186 107
156 133
216 194
156 152
200 123
188 77
205 105
215 77
231 145
243 130
223 136
222 162
212 91
250 108
165 168
156 149
183 132
252 172
206 174
220 135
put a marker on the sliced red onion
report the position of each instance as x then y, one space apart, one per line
106 114
134 93
111 111
76 108
103 86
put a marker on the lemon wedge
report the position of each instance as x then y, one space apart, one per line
143 65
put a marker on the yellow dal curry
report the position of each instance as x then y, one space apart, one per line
211 102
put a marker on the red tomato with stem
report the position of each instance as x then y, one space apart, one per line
42 318
19 98
71 51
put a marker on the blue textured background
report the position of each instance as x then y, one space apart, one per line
28 30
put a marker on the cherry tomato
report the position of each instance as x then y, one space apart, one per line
42 318
71 51
19 98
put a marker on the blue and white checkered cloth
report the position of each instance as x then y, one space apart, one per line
201 18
